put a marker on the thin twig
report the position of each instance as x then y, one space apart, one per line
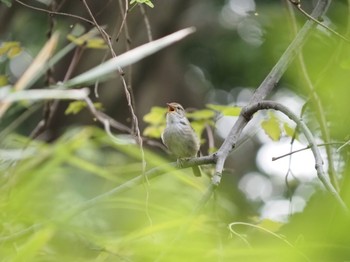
124 15
303 149
266 87
55 13
318 107
103 33
102 117
297 4
128 95
279 237
210 135
344 145
52 106
147 23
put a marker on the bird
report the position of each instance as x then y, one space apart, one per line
179 136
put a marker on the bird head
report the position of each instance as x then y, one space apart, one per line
176 109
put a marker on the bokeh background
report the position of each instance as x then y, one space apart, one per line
236 44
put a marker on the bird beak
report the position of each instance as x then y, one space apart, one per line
170 107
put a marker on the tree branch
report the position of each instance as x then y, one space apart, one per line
316 103
297 4
128 91
230 142
303 149
266 87
249 111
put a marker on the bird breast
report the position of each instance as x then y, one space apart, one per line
180 139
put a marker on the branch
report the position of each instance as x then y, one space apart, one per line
317 105
266 87
102 117
248 112
55 13
303 149
51 106
147 23
344 145
297 4
220 156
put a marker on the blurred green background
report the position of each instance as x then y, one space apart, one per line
48 188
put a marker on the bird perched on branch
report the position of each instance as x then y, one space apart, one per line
179 136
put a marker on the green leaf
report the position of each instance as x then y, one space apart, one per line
147 2
75 107
201 114
345 62
272 128
289 131
153 131
270 225
156 116
226 110
29 250
95 42
11 49
3 80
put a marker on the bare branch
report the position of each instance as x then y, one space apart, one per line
124 15
303 149
248 112
102 117
51 106
297 4
266 87
55 13
127 90
317 105
147 23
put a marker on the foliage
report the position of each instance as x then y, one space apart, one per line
76 106
147 2
225 110
10 49
39 198
99 194
275 127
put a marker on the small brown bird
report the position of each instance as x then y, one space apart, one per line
179 136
